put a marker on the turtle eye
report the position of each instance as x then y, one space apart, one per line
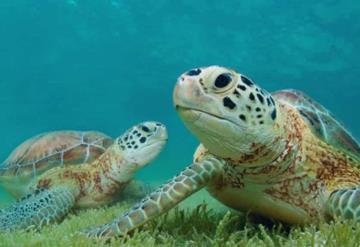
145 128
222 81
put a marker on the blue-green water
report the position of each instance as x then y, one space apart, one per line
106 65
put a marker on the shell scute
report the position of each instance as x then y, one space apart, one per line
321 122
60 148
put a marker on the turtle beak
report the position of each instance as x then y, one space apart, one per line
161 133
188 92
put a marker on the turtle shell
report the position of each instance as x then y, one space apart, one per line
320 120
60 148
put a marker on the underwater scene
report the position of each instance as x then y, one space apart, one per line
123 92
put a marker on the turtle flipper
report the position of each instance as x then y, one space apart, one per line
190 180
345 203
37 209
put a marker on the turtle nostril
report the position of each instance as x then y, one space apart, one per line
194 72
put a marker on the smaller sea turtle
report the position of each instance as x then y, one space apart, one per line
46 151
280 155
64 172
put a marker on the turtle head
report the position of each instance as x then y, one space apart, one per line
142 143
227 112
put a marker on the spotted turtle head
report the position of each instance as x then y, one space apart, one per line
142 143
226 111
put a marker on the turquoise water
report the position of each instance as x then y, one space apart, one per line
106 65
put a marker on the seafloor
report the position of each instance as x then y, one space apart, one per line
197 221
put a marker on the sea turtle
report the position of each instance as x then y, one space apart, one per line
281 155
48 150
63 170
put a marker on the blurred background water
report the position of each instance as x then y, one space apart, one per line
106 65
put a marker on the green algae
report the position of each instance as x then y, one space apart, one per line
191 224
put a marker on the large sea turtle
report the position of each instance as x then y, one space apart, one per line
63 170
280 155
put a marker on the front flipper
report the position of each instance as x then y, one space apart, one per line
190 180
345 203
37 209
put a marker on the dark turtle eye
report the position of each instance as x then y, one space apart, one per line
223 80
145 129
